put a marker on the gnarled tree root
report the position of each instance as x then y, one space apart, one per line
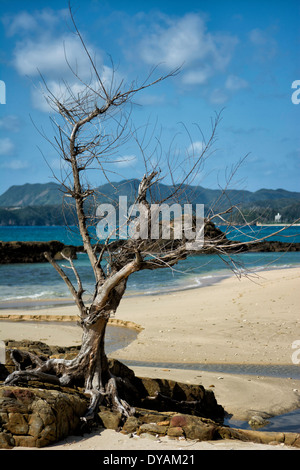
65 372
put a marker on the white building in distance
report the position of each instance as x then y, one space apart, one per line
278 217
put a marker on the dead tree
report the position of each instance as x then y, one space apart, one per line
85 141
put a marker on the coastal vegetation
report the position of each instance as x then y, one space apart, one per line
42 204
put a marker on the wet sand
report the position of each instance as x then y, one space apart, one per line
233 322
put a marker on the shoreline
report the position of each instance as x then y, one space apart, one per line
35 303
232 322
237 315
210 280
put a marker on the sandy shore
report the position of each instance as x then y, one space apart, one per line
247 321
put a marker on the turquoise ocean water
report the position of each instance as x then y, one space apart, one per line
22 283
25 282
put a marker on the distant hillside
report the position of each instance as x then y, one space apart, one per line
32 195
41 204
37 215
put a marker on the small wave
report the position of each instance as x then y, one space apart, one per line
187 283
166 290
270 267
44 294
285 266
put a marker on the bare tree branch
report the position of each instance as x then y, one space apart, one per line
90 128
77 295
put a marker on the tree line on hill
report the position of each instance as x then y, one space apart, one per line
43 204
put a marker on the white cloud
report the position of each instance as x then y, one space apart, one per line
63 91
126 161
258 37
7 147
178 43
197 76
50 57
55 163
19 23
186 42
234 83
196 148
10 123
15 164
264 43
57 57
41 95
24 22
150 99
45 46
58 61
218 96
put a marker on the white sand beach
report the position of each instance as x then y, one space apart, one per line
247 321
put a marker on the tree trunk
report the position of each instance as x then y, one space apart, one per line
92 365
89 369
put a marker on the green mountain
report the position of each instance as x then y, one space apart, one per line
37 215
32 195
42 204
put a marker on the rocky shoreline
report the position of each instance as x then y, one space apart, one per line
33 252
36 415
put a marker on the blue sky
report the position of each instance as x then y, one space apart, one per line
237 56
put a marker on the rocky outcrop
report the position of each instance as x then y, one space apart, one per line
38 348
153 394
214 233
177 425
37 415
34 417
272 246
33 252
